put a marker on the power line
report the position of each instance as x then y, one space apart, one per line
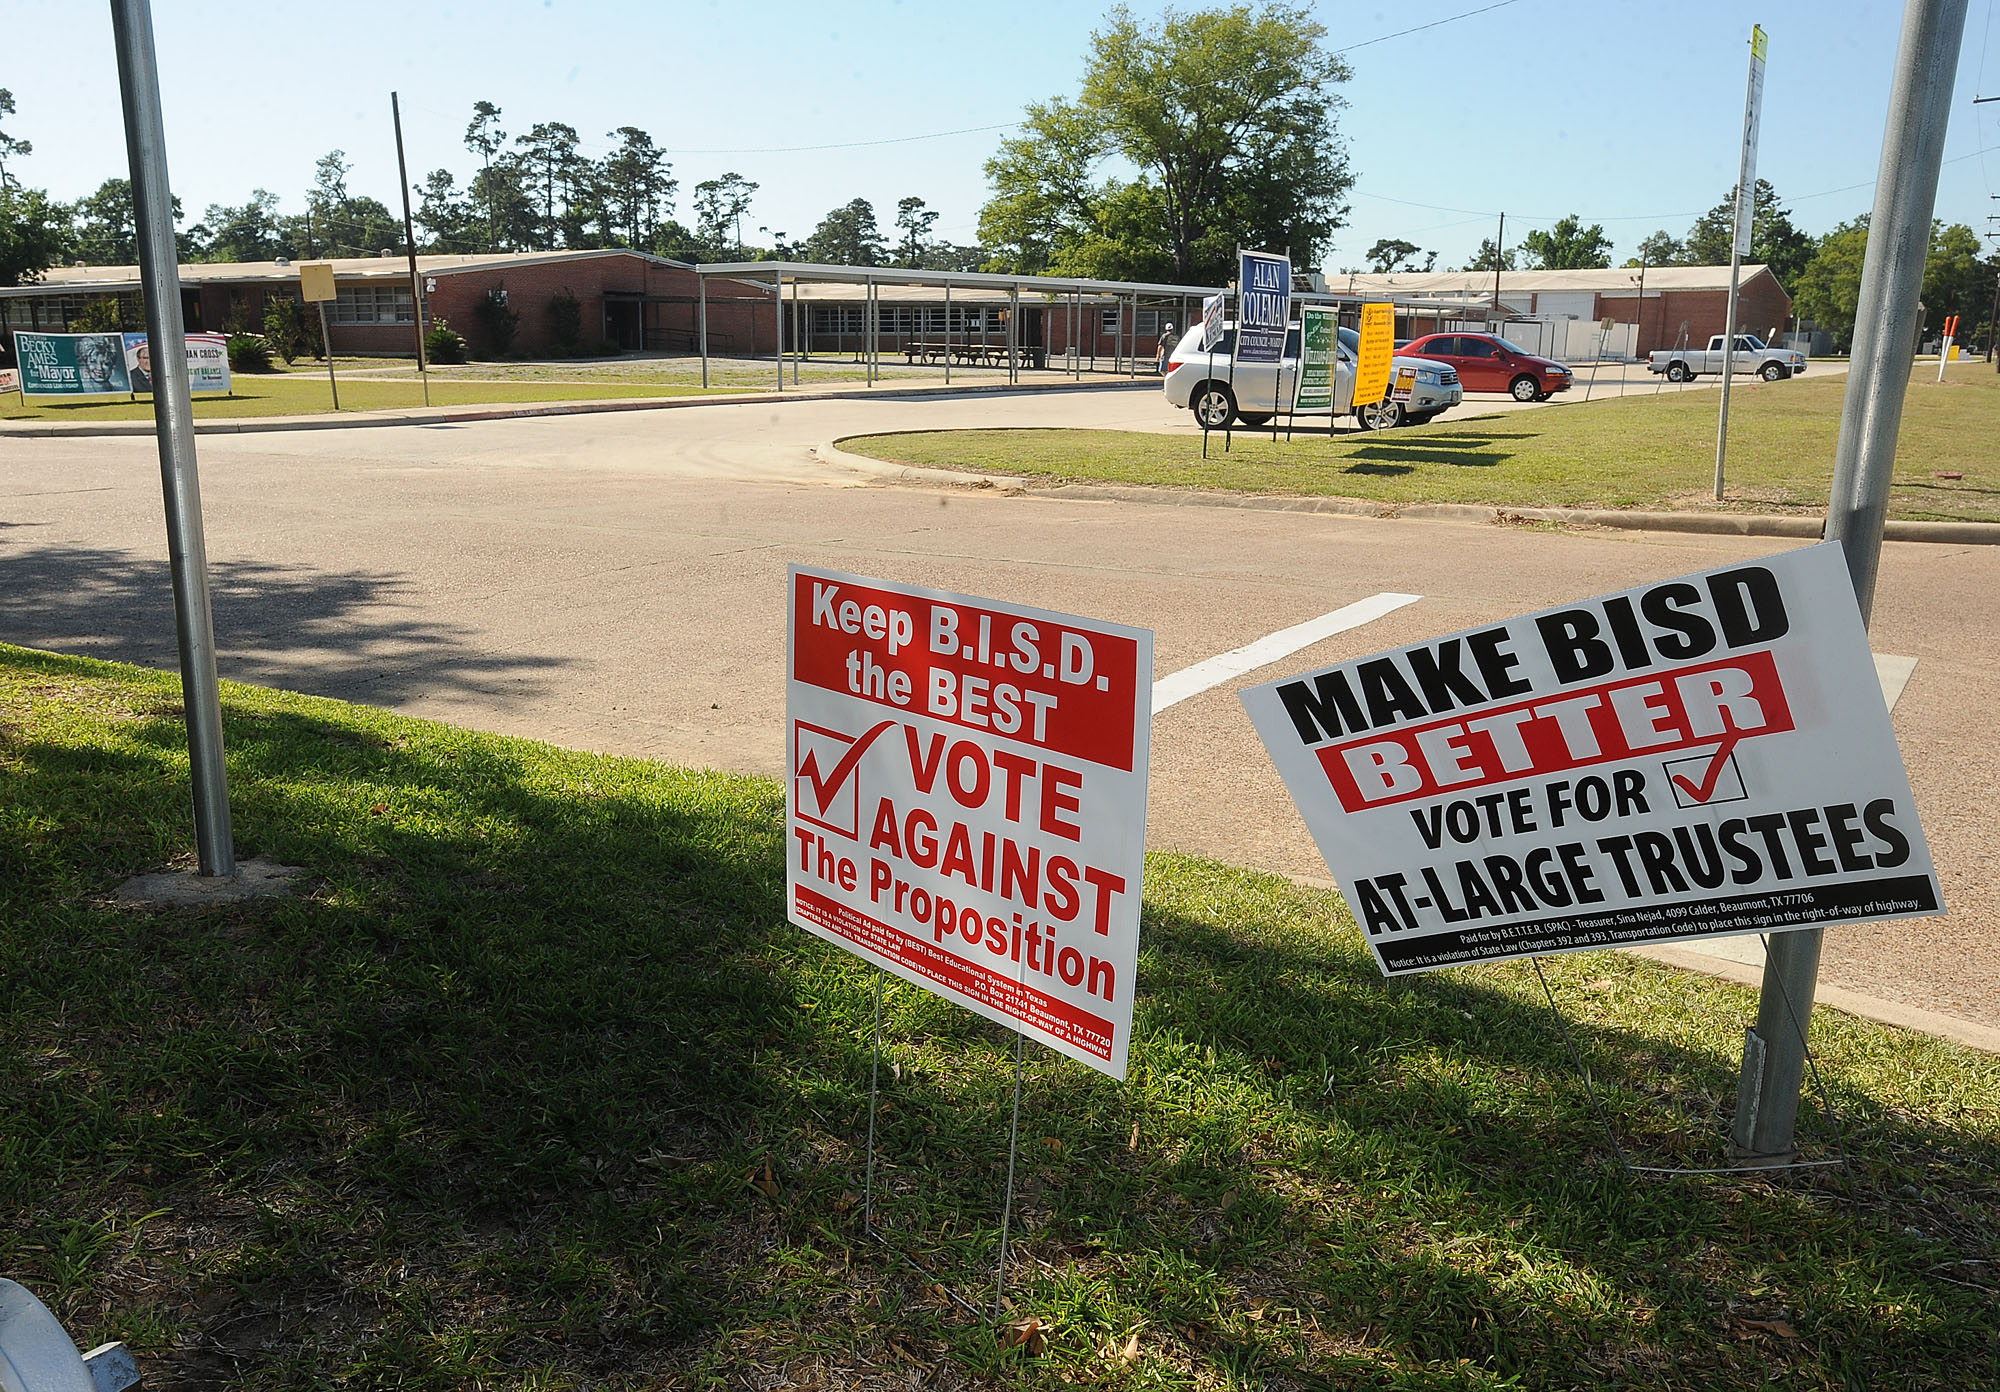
1448 19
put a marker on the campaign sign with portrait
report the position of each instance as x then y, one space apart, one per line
71 364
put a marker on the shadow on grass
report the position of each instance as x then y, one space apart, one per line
346 634
494 1100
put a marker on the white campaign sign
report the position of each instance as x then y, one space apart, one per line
1700 757
966 804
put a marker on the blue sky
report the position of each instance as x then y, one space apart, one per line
1625 112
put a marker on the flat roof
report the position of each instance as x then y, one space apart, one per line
805 271
1608 280
99 280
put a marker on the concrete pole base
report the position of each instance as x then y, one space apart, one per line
184 889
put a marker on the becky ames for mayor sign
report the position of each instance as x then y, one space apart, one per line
967 801
1700 757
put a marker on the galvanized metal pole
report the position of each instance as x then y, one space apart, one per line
778 322
701 281
798 332
1739 240
1899 233
1014 334
947 331
410 246
173 416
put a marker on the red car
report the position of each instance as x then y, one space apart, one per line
1487 363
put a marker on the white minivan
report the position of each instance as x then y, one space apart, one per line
1204 383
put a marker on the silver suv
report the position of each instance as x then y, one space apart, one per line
1202 381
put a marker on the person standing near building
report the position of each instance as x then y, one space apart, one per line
1166 347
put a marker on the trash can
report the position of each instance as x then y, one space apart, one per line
1038 357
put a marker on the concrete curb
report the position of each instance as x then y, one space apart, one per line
1910 1017
457 415
1970 1033
1711 523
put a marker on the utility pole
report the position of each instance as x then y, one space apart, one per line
1739 246
1767 1097
173 417
1499 260
410 245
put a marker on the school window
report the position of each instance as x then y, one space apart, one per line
373 304
1113 321
1149 322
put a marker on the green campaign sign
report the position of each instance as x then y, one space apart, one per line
72 364
1318 345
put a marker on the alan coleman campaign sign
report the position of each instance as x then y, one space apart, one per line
1263 306
1695 758
967 800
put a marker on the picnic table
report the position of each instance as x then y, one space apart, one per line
971 354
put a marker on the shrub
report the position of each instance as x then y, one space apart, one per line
249 352
496 323
565 322
442 344
99 315
285 328
606 348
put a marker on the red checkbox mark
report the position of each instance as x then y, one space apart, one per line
825 785
1704 790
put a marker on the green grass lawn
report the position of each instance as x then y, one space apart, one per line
300 393
1642 451
533 1087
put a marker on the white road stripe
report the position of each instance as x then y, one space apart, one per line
1171 690
1894 674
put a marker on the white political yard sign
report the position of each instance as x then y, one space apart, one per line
1700 757
966 804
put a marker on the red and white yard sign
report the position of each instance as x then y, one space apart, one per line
1701 757
967 800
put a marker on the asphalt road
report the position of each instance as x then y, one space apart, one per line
614 582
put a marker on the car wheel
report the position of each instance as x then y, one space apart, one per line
1214 406
1380 415
1525 388
1772 372
1677 372
1254 418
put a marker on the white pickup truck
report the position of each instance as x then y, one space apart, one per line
1751 355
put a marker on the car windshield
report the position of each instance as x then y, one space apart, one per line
1512 347
1350 340
1751 341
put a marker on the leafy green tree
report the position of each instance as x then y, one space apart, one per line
1227 115
251 232
914 221
1395 254
1568 246
34 234
1956 280
548 151
1659 249
719 206
451 223
1482 260
1774 241
10 147
847 236
502 189
638 185
104 225
484 138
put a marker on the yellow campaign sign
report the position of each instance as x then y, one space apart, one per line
1377 353
1759 42
316 280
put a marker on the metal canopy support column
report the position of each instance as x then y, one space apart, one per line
173 416
1013 335
798 332
1885 321
1132 343
947 333
778 320
702 282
